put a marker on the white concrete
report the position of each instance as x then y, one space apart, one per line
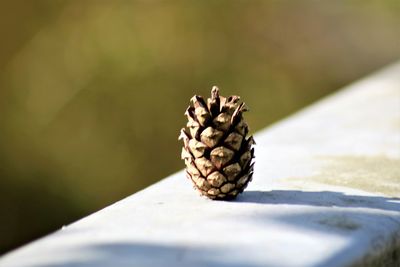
323 194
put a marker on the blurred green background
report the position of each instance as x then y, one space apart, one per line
92 93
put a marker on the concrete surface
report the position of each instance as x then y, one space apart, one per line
325 192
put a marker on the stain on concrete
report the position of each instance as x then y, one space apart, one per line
389 256
371 174
340 222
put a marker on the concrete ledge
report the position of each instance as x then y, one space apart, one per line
325 192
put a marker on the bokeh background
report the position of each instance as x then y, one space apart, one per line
92 93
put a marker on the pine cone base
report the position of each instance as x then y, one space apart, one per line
217 154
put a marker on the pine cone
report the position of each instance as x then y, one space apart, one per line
217 154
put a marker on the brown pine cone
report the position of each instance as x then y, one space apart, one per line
217 154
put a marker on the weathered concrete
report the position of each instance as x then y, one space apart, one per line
324 194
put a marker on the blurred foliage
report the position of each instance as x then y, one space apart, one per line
92 93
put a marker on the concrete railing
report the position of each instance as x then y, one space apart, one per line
324 193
